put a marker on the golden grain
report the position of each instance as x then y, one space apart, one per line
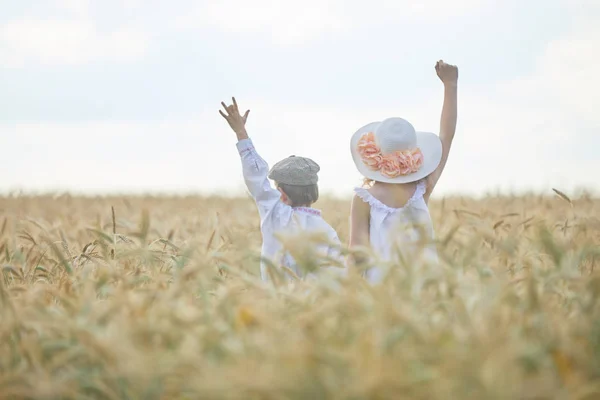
92 307
563 196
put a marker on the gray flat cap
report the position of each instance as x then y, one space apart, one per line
297 171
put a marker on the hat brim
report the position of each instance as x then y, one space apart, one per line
429 143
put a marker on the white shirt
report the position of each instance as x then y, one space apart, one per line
402 228
278 217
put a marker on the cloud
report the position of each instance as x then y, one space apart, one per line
286 22
424 10
66 42
293 22
77 7
564 86
533 131
568 69
547 122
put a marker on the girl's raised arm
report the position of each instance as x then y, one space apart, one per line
448 74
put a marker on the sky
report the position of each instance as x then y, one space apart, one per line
122 96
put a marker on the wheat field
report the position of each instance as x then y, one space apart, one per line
159 298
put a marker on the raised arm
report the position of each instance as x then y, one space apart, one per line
254 168
448 74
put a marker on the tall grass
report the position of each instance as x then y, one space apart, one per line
159 298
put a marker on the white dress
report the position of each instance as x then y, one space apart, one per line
405 232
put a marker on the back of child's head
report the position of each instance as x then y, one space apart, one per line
300 195
297 178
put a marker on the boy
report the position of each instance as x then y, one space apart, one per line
286 209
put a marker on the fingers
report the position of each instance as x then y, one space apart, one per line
225 107
232 110
246 116
442 65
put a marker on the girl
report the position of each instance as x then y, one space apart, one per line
402 167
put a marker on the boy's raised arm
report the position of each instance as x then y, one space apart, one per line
448 74
254 168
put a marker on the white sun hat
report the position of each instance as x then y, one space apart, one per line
392 151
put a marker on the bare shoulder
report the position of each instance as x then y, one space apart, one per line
358 202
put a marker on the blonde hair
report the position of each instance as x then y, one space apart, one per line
368 182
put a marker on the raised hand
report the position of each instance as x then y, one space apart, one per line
236 121
447 73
